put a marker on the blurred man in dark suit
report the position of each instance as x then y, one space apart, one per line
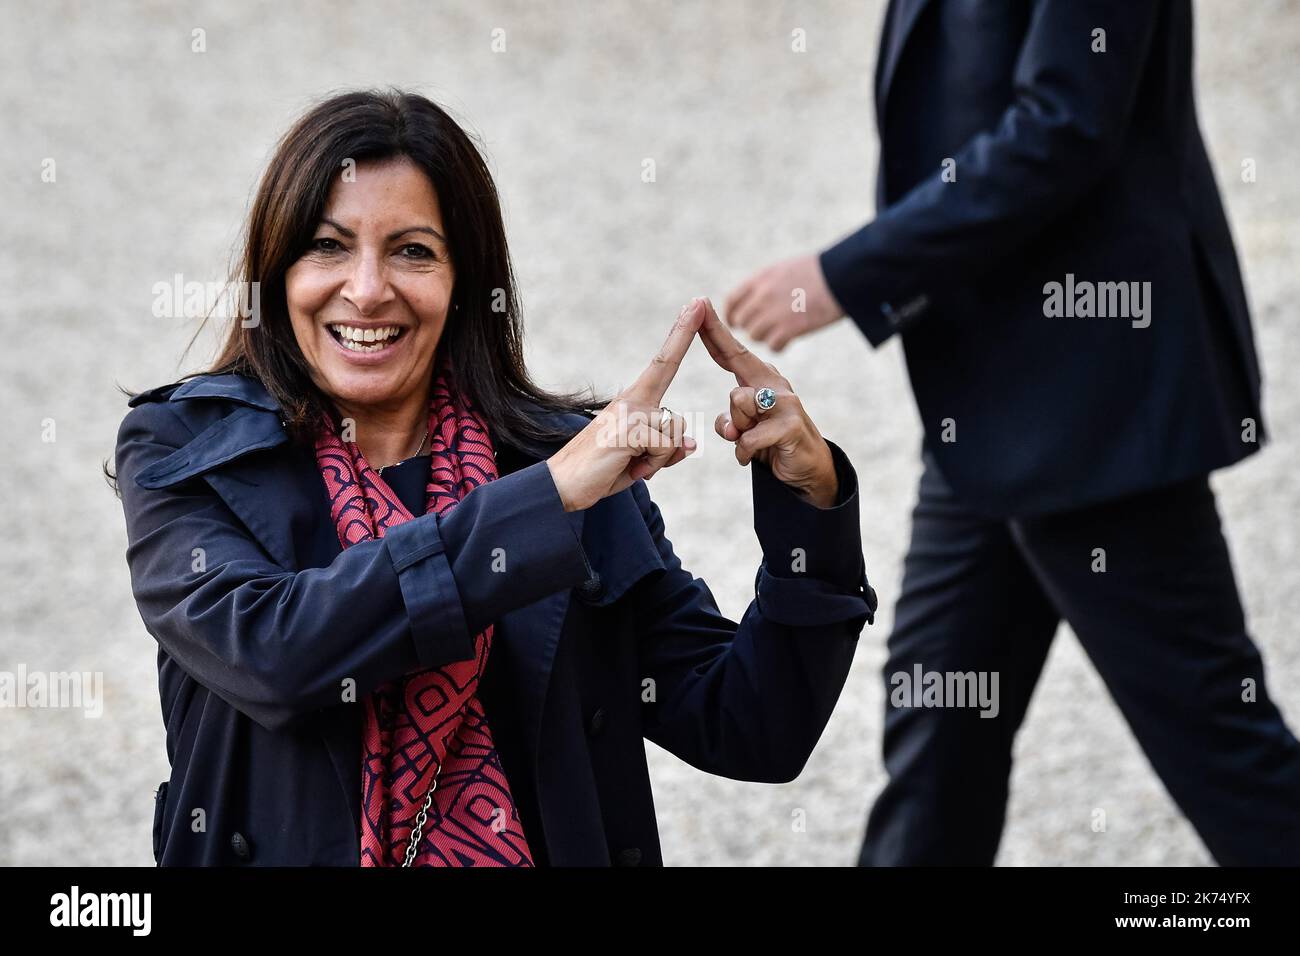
1051 246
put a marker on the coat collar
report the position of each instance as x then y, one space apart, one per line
244 432
282 501
243 389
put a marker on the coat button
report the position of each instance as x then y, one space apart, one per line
596 723
592 588
628 857
239 843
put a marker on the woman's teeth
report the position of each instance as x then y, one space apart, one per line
365 340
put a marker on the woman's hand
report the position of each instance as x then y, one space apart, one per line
625 442
784 438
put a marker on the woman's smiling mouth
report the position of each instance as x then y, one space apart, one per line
359 340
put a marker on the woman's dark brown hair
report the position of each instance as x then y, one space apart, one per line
483 337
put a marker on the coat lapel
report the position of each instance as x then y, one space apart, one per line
900 20
221 455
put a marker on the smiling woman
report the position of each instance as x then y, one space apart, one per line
347 239
325 629
369 300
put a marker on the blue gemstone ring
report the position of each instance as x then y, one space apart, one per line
765 399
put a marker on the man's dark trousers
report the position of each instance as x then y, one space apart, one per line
1163 626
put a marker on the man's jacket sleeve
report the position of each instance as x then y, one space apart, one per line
1062 131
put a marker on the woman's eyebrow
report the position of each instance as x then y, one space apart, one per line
427 229
349 234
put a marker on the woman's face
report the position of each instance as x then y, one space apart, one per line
368 300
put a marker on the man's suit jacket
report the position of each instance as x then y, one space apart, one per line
602 638
1031 142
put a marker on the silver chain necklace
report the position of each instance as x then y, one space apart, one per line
420 819
427 434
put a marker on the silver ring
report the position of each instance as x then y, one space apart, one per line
765 399
665 418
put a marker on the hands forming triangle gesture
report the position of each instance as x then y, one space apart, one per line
634 436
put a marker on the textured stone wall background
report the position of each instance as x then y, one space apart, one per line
760 153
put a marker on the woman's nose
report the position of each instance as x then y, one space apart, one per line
367 287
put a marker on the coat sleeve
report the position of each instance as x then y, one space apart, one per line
1060 134
278 643
750 700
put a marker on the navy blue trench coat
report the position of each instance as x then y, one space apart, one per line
602 638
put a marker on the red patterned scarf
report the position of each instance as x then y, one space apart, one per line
431 717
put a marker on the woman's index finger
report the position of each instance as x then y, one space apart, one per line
652 383
748 368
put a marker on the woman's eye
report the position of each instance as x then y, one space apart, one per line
414 250
325 244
